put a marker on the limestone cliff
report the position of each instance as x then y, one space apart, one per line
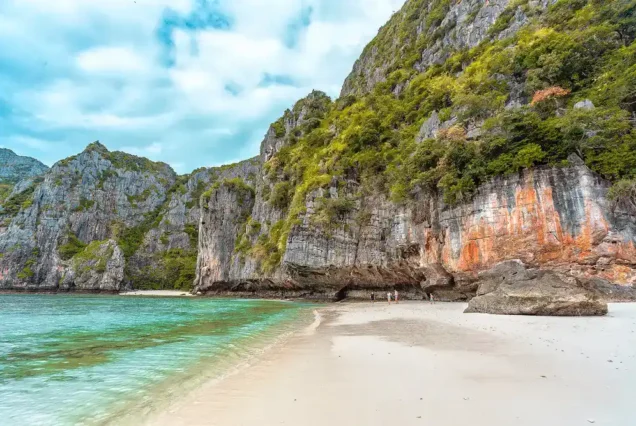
453 147
17 171
167 255
59 227
553 218
102 221
14 168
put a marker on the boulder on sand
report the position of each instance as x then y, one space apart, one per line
511 289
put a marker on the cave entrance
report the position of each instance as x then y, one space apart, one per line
342 293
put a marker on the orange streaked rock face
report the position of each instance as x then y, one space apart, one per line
554 218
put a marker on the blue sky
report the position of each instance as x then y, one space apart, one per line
189 82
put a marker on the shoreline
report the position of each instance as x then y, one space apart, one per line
156 293
209 370
147 293
245 296
418 363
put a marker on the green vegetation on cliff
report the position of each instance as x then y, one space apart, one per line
127 162
505 105
418 118
12 205
237 185
94 256
71 247
5 191
168 267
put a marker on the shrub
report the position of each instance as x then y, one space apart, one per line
624 191
553 93
20 201
84 205
94 256
281 195
5 191
25 273
72 247
528 156
236 184
140 198
279 128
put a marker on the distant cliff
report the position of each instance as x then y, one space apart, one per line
15 169
60 232
103 221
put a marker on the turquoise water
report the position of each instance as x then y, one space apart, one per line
67 360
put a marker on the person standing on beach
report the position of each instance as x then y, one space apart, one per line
432 298
388 297
372 297
397 295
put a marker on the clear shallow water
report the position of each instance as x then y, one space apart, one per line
67 360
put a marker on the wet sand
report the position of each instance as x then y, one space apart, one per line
423 364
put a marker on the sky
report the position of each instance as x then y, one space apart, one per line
189 82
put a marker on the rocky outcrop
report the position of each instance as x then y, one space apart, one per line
511 289
102 221
98 268
14 168
242 216
166 257
430 127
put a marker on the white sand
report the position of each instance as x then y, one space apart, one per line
157 293
422 364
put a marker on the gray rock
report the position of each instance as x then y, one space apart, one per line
224 215
14 168
609 292
518 20
466 24
509 289
585 104
430 127
100 267
474 130
437 278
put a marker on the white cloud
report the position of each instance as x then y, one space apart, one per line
76 12
34 143
113 60
98 67
153 149
65 104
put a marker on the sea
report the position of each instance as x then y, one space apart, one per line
99 360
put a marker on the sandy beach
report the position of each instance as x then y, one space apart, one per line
423 364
